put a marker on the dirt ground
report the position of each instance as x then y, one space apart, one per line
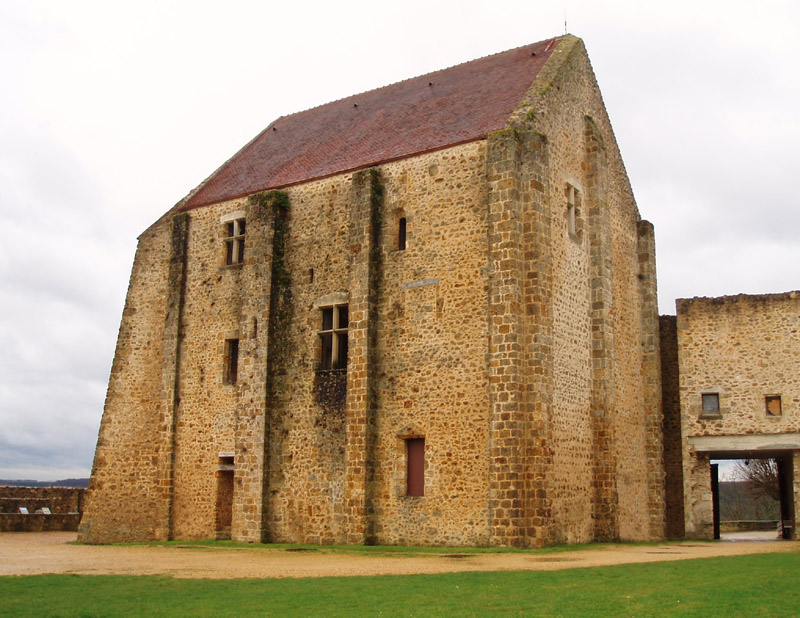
28 553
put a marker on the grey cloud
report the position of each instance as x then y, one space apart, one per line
99 135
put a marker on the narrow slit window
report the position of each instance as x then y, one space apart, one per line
415 476
231 362
572 211
401 234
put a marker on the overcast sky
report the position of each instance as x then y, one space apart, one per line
110 112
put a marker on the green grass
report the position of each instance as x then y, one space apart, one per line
756 585
406 550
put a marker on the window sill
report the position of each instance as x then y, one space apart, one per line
710 417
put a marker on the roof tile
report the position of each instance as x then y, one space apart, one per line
441 109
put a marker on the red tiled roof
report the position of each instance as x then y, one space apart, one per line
448 107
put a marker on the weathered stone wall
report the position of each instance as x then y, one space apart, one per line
432 333
65 504
59 522
744 348
427 371
129 493
205 414
795 492
57 499
591 318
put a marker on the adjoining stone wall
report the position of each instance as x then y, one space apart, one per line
65 504
795 489
57 499
743 349
61 522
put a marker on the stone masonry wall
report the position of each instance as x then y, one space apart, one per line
65 504
129 493
432 333
204 419
429 380
594 383
744 348
430 338
57 499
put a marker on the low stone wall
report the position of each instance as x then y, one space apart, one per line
748 525
60 522
65 504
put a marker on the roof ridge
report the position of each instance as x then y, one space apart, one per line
409 79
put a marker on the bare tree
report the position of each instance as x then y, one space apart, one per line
761 476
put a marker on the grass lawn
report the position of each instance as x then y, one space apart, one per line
755 585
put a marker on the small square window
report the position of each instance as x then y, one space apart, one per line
710 404
773 405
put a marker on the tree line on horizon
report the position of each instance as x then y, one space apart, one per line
31 483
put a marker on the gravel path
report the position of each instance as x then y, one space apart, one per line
49 552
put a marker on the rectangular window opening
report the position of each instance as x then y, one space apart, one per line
572 211
773 405
710 404
415 476
333 338
234 242
231 367
401 234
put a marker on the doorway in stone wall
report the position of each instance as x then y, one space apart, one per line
224 497
752 498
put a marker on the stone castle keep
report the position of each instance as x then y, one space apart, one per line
425 314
